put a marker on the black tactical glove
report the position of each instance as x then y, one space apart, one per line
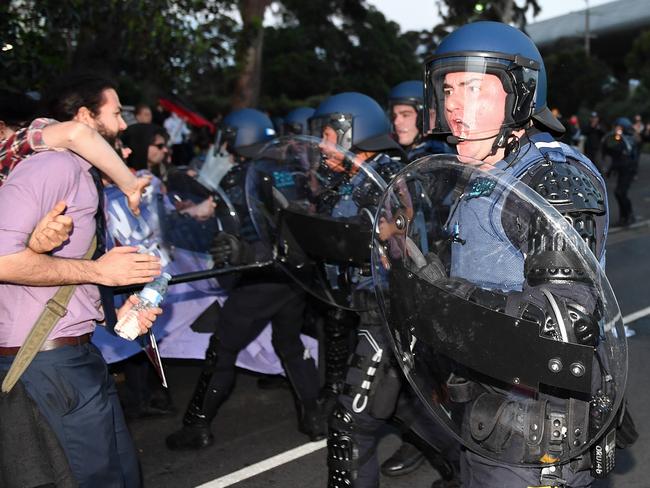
229 249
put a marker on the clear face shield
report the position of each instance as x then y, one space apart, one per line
475 97
312 203
339 133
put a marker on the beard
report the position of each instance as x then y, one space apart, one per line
109 136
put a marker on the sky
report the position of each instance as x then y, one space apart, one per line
423 14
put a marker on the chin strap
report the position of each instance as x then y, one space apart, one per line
501 139
505 139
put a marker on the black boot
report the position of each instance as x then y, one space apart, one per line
195 433
413 451
405 460
303 376
313 421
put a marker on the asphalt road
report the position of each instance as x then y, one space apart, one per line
256 424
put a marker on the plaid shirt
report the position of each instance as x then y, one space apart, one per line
21 144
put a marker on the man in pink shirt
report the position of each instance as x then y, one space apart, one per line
68 379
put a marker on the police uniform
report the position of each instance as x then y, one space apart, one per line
255 298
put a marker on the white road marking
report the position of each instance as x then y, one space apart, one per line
265 465
639 314
300 451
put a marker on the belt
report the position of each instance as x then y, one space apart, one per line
51 344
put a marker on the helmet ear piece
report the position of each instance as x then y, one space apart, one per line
345 139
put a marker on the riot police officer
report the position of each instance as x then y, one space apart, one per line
352 184
492 271
296 122
406 109
254 299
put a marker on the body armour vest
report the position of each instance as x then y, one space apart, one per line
476 226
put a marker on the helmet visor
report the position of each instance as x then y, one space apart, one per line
330 126
474 97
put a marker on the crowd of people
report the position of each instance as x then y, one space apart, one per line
615 148
285 215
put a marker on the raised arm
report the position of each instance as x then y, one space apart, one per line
91 146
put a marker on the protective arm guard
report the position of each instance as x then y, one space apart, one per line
575 194
558 294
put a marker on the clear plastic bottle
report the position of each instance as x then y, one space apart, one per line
150 296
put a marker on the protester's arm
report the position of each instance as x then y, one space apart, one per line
91 146
120 266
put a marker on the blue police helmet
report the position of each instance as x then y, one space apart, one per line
625 124
297 121
359 121
508 53
407 93
245 130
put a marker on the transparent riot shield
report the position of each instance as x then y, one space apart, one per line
184 230
501 317
313 204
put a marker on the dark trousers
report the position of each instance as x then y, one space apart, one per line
245 314
78 398
625 176
479 472
386 400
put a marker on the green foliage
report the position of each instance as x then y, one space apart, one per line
352 48
171 43
315 48
575 80
637 60
455 13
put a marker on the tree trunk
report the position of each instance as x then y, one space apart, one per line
249 53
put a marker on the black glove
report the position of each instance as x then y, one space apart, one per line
229 249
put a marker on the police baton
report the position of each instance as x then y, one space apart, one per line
195 276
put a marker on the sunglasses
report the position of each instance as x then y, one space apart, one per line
160 146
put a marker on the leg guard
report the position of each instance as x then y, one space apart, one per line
211 391
207 397
303 377
339 325
342 451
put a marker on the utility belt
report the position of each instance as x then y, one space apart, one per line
542 430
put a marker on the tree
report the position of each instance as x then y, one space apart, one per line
249 53
455 13
575 80
637 60
162 41
324 47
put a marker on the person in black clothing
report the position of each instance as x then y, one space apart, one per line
254 299
621 146
594 132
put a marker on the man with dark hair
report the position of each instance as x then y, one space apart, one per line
69 384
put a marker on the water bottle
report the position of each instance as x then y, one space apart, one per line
150 296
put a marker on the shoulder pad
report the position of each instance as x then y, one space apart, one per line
567 187
387 167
